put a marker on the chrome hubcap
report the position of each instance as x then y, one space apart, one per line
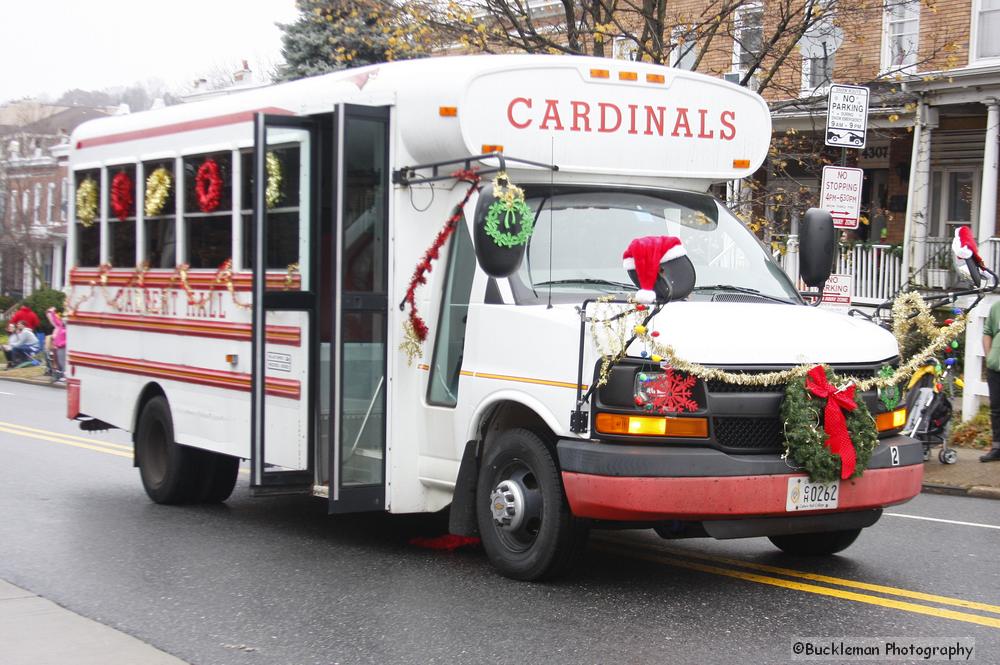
507 505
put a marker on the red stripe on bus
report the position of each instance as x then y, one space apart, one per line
286 335
178 127
239 381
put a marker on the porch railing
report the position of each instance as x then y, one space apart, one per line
877 270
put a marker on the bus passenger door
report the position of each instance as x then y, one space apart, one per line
281 246
360 245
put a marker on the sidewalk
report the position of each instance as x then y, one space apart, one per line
966 476
34 375
35 631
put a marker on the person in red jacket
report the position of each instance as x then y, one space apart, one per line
27 315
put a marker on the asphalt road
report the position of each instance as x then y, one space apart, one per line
276 580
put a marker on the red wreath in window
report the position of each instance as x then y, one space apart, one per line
121 195
208 186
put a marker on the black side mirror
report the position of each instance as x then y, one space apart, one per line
495 260
816 247
974 273
675 281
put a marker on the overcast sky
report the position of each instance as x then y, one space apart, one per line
48 46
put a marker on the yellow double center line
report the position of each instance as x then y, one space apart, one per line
706 563
67 439
743 570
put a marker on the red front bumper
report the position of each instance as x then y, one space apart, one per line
628 498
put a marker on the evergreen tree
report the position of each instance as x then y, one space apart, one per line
337 34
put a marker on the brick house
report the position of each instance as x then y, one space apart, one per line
34 188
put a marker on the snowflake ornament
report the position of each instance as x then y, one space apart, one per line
668 392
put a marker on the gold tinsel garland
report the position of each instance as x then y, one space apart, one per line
86 202
223 276
272 193
157 190
617 335
411 344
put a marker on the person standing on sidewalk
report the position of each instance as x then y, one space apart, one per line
991 330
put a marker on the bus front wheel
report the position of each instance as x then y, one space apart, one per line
525 524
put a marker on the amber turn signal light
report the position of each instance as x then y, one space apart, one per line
891 420
614 423
448 111
741 163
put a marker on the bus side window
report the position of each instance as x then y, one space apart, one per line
208 218
159 212
88 231
121 218
449 343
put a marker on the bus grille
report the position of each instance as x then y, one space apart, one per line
741 434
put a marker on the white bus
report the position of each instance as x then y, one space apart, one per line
217 320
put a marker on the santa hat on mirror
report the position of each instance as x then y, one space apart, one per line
964 246
645 256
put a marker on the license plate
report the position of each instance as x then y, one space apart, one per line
804 495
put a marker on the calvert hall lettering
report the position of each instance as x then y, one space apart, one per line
606 117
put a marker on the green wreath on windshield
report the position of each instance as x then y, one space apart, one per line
515 213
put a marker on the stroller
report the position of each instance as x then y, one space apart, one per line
929 413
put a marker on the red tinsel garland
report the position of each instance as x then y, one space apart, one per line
208 186
121 195
419 274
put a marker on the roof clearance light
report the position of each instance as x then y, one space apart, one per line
487 148
655 78
612 423
448 111
599 73
628 76
891 420
741 163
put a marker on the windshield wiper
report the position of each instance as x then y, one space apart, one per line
743 289
586 281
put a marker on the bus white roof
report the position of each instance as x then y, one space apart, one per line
588 115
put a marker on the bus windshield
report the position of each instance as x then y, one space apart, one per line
579 236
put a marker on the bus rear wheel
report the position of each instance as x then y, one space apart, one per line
816 544
218 475
169 471
524 520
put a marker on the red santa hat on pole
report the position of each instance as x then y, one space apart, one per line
964 246
645 256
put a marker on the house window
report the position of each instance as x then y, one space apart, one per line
50 202
748 37
683 52
624 48
902 29
817 72
988 29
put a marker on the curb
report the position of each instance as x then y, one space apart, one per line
34 382
978 491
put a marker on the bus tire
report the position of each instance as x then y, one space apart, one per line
169 471
218 476
815 544
524 520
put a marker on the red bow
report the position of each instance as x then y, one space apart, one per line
838 438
